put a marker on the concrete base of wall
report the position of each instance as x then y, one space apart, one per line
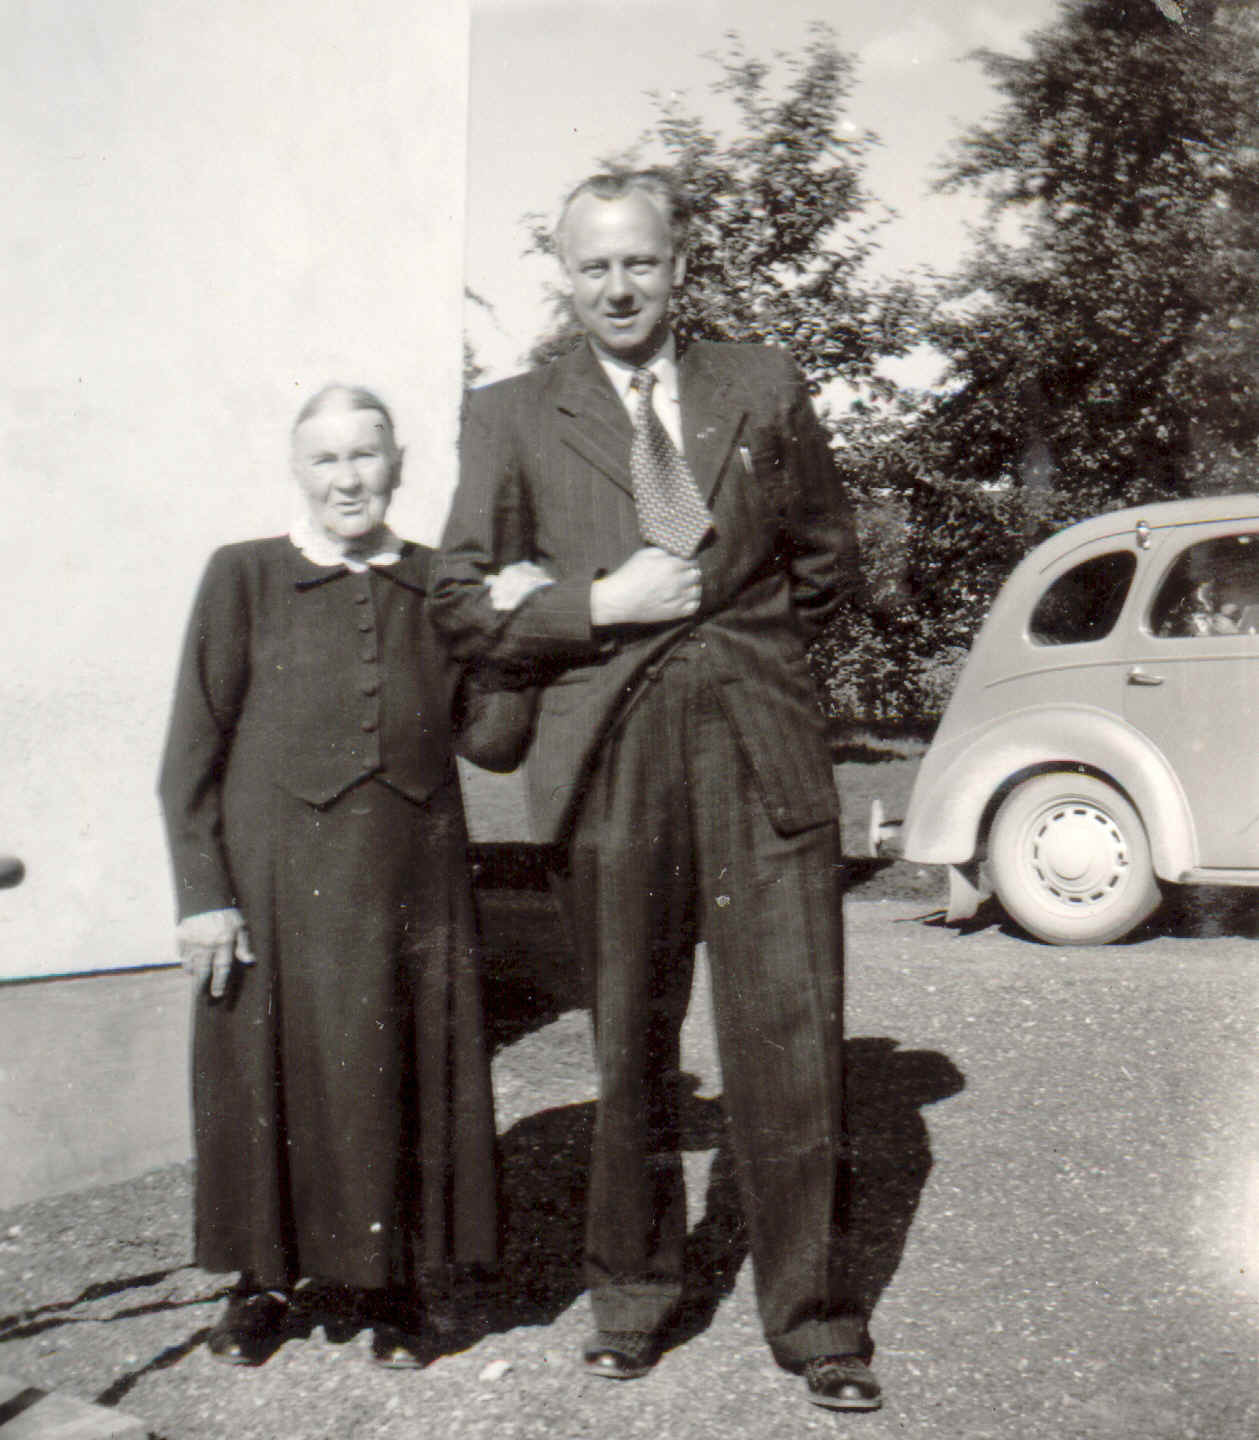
93 1080
94 1069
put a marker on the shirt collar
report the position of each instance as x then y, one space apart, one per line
663 365
319 550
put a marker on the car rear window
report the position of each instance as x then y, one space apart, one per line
1211 589
1084 602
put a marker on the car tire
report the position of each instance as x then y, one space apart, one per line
1070 861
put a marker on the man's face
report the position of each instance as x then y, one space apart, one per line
619 259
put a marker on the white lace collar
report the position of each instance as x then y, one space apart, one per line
320 550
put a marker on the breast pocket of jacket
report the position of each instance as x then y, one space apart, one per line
763 471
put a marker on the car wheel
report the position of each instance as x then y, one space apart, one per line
1070 861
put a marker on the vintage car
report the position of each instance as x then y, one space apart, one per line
1104 732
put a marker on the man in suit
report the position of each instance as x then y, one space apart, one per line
685 509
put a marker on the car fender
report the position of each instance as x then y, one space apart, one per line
962 780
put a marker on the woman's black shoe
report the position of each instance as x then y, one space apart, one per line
397 1320
251 1329
620 1354
397 1348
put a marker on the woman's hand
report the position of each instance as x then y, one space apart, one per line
208 943
513 584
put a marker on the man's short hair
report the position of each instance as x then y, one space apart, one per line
345 397
657 184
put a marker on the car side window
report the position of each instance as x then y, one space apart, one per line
1212 589
1083 604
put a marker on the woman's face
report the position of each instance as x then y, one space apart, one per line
347 467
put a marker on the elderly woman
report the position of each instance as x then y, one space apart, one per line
343 1116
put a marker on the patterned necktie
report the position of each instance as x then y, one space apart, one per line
671 511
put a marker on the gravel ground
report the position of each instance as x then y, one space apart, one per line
1051 1211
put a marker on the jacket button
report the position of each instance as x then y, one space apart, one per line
366 626
367 726
368 654
362 599
370 687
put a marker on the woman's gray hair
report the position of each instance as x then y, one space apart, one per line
345 397
657 184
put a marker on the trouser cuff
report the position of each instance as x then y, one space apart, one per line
838 1335
644 1306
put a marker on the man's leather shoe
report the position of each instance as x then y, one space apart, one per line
842 1382
620 1354
250 1330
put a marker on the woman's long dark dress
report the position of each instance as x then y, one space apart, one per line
343 1114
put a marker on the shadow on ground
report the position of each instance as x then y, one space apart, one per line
531 973
544 1181
1187 912
532 979
544 1162
544 1156
59 1314
888 1088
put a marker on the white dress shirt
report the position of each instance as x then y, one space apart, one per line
664 396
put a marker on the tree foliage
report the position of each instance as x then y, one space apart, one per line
1108 348
1102 341
934 553
783 223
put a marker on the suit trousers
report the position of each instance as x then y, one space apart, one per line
672 843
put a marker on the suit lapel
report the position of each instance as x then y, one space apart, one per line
711 415
592 420
595 424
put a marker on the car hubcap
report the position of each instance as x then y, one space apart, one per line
1077 854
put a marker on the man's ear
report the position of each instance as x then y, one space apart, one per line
399 456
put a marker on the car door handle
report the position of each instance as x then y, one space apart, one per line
1137 676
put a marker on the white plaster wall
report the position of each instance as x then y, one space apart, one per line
213 207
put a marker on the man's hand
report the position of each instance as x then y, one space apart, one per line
207 944
513 584
652 586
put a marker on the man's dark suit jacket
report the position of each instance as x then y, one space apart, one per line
545 476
